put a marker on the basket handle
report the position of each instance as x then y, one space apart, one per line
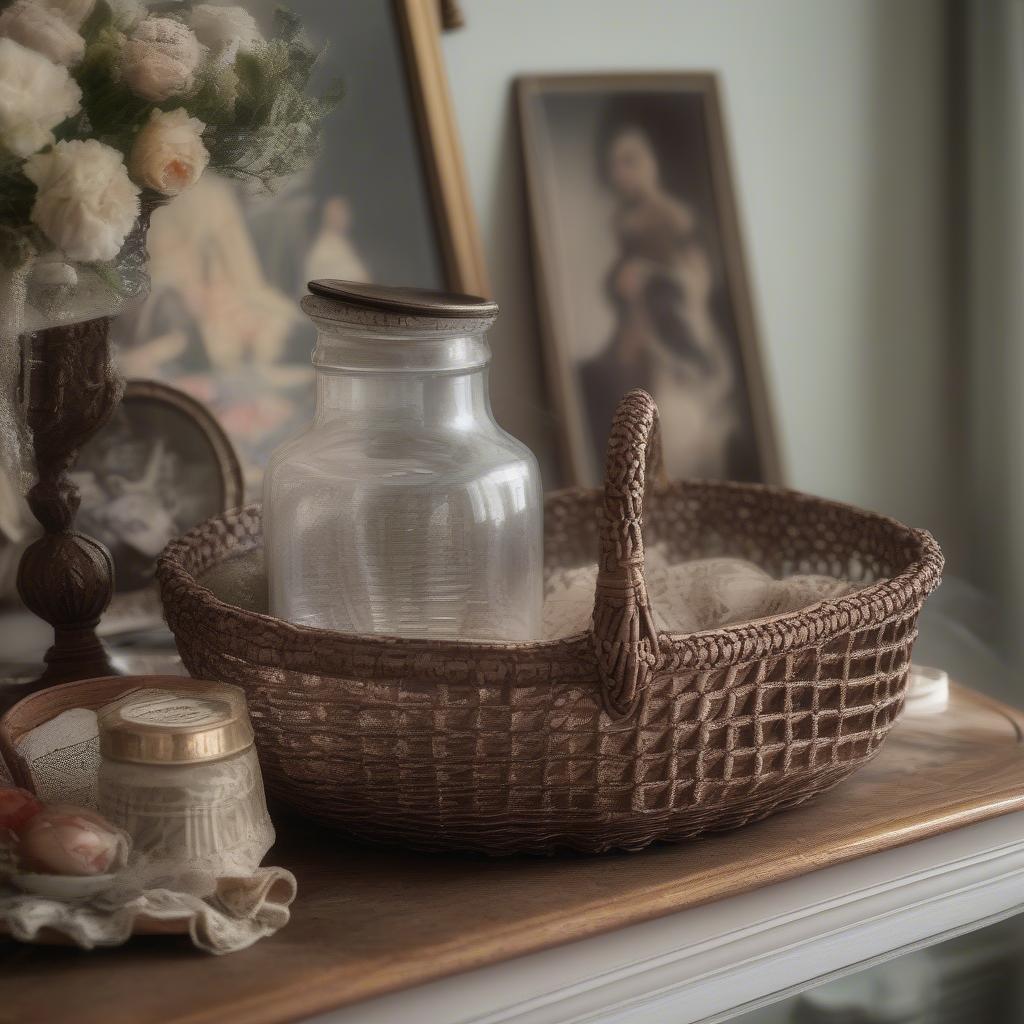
624 635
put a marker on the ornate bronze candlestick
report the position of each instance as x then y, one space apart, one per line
65 577
71 388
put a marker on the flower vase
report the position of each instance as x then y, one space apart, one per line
70 387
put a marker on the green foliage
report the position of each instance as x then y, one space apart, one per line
215 97
100 17
110 111
16 246
16 192
273 129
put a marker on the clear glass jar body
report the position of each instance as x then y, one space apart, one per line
405 509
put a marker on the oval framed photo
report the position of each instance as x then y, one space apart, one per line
160 466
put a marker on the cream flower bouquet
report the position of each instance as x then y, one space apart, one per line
101 100
108 109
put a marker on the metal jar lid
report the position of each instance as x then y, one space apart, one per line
168 726
383 306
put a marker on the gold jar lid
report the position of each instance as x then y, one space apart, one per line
175 726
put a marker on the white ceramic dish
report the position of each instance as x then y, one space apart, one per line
62 887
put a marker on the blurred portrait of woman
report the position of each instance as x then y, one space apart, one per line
665 338
637 268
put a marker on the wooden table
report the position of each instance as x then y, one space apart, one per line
370 923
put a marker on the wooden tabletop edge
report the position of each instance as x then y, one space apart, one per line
327 993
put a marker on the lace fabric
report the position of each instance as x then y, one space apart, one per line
210 817
200 834
690 596
238 913
63 756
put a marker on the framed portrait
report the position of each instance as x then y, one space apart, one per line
159 467
639 270
386 200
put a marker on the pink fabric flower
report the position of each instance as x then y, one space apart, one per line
63 840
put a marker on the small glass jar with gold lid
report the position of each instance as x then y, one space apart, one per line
178 772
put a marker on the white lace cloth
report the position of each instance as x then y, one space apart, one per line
688 597
240 912
220 915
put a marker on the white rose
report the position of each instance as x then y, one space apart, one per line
36 95
42 30
160 59
86 204
232 28
74 12
168 154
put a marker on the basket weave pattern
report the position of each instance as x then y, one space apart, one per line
610 739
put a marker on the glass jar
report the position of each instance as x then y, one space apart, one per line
404 509
178 772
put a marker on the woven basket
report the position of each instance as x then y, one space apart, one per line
609 739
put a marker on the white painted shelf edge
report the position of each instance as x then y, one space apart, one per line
709 963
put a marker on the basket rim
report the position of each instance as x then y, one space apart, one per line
821 622
260 638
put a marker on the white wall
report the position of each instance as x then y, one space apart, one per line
994 242
837 115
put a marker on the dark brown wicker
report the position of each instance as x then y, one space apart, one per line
609 739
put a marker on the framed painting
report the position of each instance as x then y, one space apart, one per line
639 269
385 201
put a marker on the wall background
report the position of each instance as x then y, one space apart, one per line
837 113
